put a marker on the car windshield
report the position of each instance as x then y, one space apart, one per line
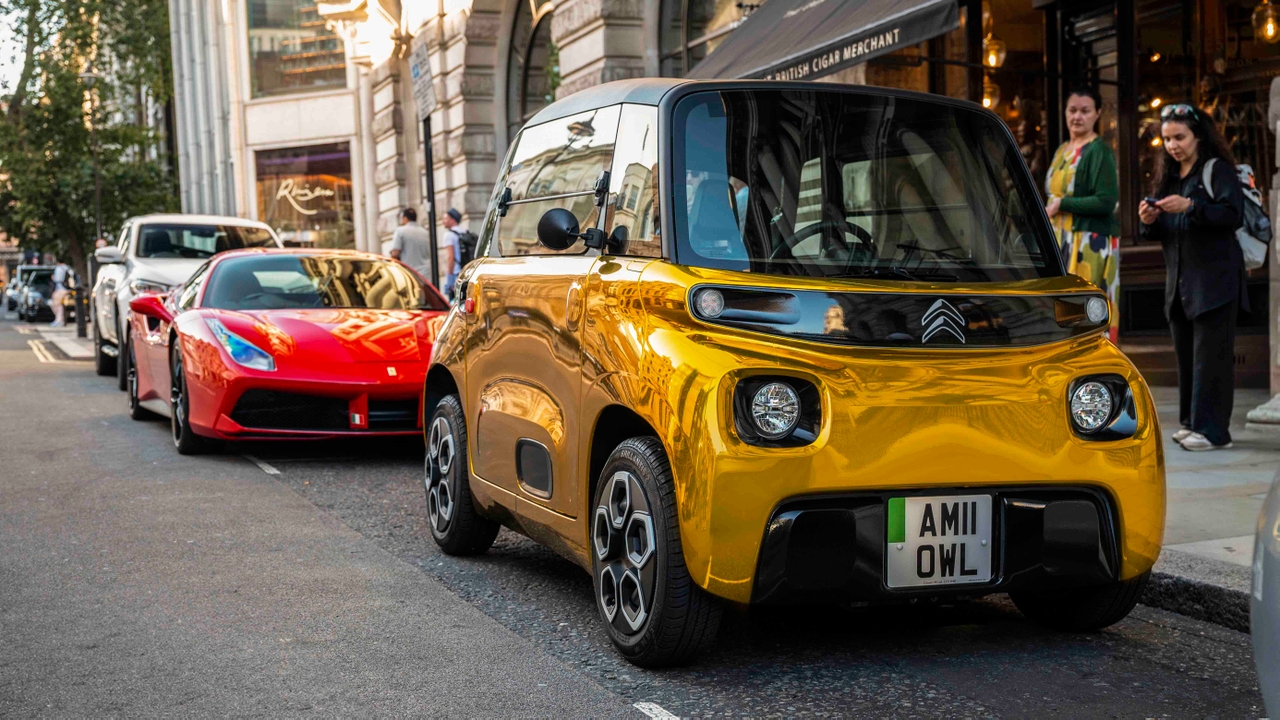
37 279
851 184
198 241
271 282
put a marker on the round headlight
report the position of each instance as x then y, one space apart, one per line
1091 405
709 303
1097 310
775 410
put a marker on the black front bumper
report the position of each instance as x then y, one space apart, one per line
830 548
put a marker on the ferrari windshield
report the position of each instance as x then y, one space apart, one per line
274 282
198 241
852 184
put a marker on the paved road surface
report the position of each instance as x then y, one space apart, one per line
134 581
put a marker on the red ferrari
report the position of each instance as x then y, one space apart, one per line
288 344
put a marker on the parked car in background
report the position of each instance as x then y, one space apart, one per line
305 344
1264 614
14 289
154 254
36 297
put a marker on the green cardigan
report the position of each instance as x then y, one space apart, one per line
1096 191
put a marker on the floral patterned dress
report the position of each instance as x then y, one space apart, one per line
1093 256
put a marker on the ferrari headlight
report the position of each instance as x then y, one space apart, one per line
138 286
1091 406
241 350
775 410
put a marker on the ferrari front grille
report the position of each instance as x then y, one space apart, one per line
274 410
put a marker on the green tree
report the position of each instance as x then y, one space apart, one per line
46 146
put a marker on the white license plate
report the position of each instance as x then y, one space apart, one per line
938 541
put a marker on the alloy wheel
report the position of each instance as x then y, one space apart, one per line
177 399
440 458
132 378
624 542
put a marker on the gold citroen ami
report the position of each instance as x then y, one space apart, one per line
763 342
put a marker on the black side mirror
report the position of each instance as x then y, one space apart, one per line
558 229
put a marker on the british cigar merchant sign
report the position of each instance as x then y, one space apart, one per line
805 39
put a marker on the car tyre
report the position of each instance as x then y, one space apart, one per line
185 438
456 526
125 361
136 411
1082 609
103 364
653 611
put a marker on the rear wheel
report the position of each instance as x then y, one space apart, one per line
136 411
103 364
1082 609
456 526
184 437
653 611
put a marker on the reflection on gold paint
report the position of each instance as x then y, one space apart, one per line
524 401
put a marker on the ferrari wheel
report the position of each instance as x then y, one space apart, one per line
455 525
103 364
136 411
184 438
125 360
654 613
1082 609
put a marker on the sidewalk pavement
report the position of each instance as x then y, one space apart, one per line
1213 504
64 338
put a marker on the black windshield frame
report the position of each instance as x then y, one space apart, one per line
1032 232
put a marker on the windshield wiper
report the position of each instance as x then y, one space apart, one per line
904 274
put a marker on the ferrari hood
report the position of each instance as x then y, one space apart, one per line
335 336
170 271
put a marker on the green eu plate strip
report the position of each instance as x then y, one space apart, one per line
897 520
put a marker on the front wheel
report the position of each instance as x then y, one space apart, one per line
103 364
456 526
654 613
136 411
1082 609
125 360
185 438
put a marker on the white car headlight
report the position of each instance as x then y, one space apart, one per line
1091 406
138 286
775 410
242 351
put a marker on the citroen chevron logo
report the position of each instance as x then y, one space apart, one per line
942 317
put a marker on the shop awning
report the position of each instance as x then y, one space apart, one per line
805 39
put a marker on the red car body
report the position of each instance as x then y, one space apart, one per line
338 371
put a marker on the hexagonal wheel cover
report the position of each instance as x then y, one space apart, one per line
638 539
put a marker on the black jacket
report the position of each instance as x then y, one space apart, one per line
1202 258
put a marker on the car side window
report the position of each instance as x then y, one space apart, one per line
556 165
188 293
633 183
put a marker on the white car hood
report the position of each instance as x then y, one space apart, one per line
170 271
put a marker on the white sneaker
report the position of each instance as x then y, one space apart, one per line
1181 435
1195 442
56 323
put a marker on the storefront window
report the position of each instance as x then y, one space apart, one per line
533 65
305 194
291 50
692 28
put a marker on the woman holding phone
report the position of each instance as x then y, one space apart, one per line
1195 223
1083 191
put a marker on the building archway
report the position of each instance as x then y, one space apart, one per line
533 65
689 29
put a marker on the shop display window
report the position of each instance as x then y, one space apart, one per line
305 194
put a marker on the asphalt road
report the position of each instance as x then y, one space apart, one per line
137 582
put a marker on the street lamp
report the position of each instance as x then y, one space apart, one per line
90 77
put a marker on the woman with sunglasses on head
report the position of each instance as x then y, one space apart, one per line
1204 284
1083 191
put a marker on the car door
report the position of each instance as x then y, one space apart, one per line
524 357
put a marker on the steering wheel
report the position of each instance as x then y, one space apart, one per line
864 237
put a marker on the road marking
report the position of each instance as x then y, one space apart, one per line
25 330
654 710
42 353
261 465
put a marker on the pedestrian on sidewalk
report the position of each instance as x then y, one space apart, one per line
1195 222
411 244
454 231
60 291
1083 192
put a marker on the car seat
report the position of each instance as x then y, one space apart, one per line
713 226
156 243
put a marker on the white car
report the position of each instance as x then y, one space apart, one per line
1264 615
156 253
